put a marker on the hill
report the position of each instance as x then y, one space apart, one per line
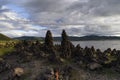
28 38
95 37
72 38
89 37
4 37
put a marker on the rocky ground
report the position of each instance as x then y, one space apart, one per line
39 69
31 60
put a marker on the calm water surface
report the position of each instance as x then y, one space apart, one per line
103 45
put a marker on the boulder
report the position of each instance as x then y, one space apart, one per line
50 71
18 71
47 75
4 65
94 66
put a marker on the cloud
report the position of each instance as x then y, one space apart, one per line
49 11
13 25
78 17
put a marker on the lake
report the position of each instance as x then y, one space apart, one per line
103 45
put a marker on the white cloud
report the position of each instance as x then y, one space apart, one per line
13 25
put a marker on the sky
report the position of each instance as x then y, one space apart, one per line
77 17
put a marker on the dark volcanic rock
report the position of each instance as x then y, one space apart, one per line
94 66
4 65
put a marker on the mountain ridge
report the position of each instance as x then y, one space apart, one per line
4 37
72 38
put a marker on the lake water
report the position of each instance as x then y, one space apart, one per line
103 45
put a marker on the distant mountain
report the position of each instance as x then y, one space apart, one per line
95 37
28 38
72 38
4 37
89 37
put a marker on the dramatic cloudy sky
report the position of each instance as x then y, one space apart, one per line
77 17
